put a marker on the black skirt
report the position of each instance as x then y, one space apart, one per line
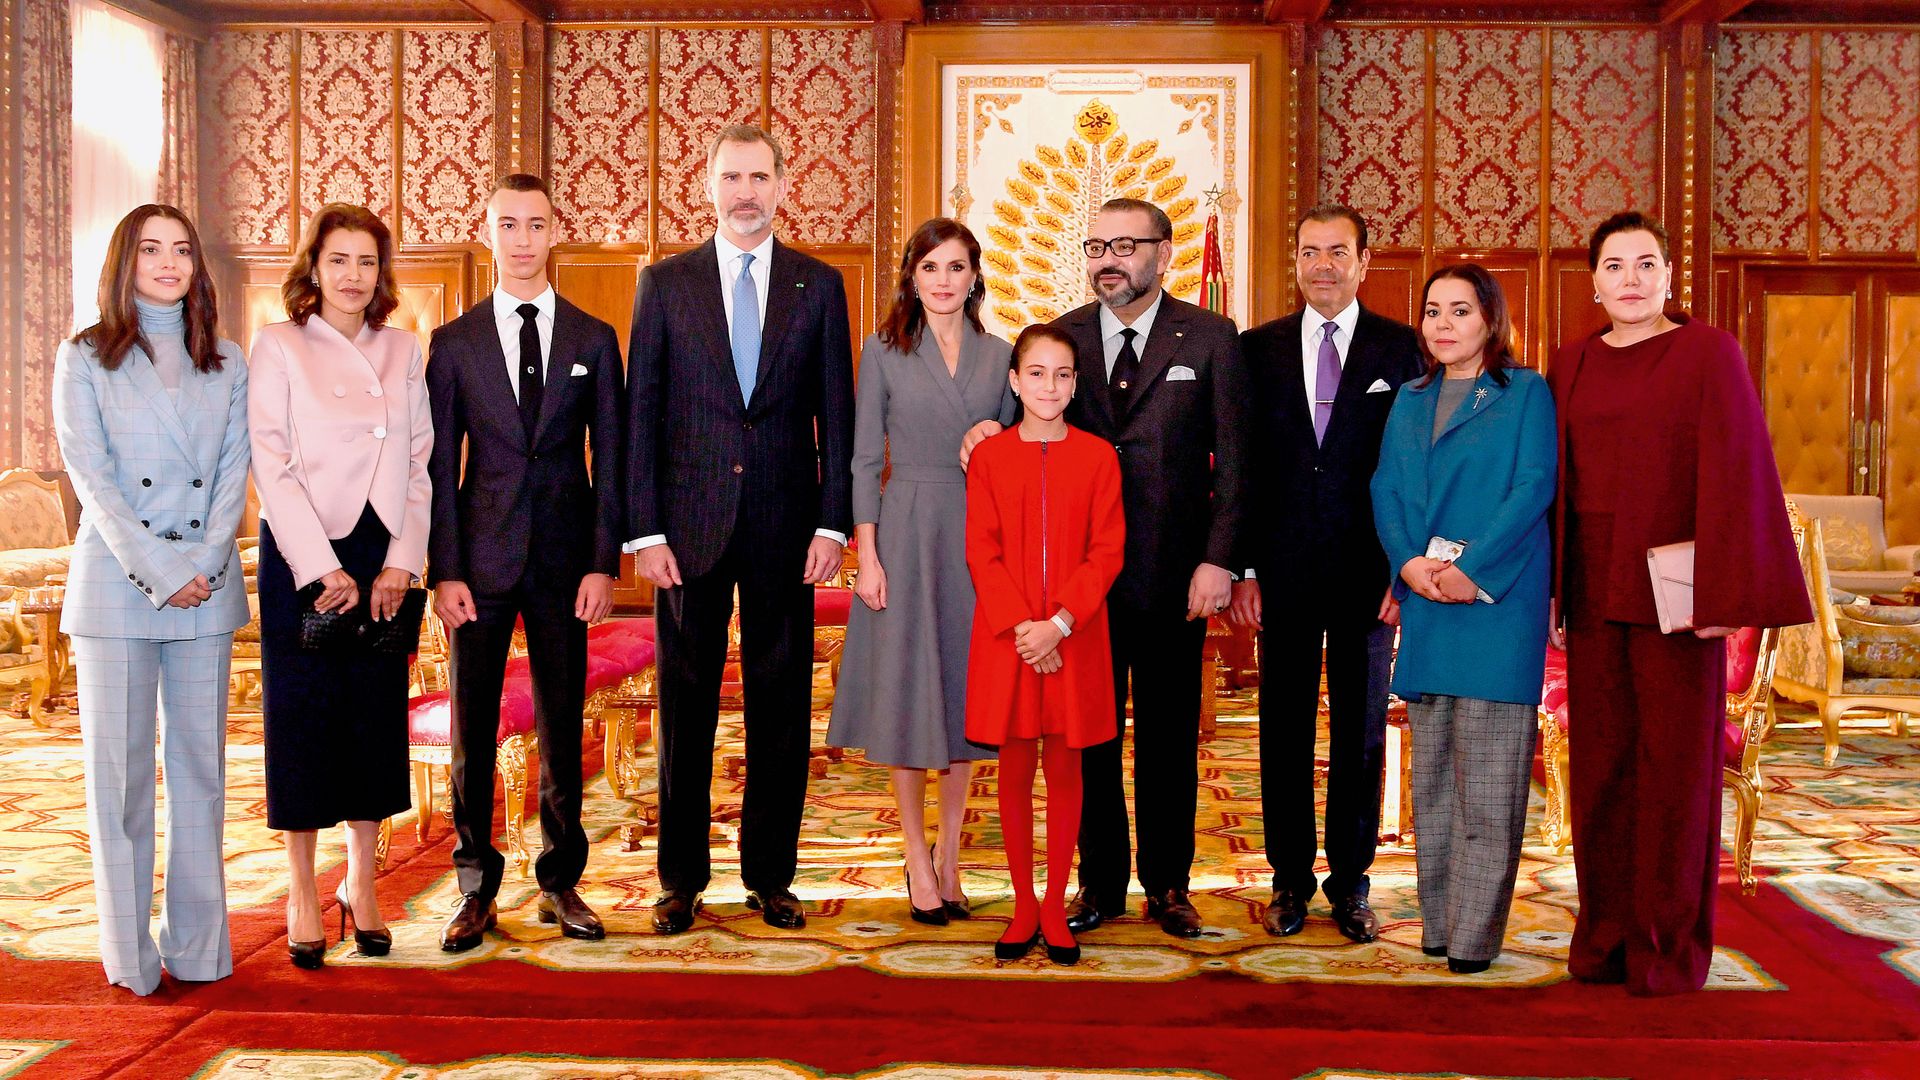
335 720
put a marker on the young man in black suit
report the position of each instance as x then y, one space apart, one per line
1323 381
1162 381
741 429
529 530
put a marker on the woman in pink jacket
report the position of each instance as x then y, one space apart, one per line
341 436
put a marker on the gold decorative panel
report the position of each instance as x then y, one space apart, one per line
1900 448
1809 390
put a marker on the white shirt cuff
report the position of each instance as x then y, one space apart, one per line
644 542
837 537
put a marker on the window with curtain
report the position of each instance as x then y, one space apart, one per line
118 131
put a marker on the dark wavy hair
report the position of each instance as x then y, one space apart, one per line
1497 355
1034 335
302 293
1623 222
906 318
119 327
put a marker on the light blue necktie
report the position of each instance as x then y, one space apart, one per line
746 328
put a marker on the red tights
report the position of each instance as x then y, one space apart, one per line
1019 759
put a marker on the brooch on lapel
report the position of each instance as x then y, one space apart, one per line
1479 396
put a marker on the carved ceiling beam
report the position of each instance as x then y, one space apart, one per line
505 11
1303 11
906 11
1699 11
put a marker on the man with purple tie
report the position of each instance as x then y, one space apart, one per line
1324 379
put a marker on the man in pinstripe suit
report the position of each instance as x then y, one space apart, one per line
740 376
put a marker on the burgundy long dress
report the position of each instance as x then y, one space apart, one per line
1661 441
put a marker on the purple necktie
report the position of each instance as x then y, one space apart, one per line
1326 383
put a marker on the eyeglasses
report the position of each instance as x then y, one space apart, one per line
1120 245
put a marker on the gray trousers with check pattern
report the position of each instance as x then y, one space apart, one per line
130 692
1472 764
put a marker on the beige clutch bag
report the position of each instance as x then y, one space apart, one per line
1671 566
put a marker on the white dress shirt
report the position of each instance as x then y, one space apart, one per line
506 320
1311 322
728 254
1110 327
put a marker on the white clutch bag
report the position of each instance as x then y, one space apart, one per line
1439 547
1671 567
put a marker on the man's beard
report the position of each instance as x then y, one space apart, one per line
1126 292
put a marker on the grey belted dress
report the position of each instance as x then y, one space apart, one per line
902 693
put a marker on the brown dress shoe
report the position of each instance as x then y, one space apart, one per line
1174 913
1287 915
780 910
469 924
673 913
1356 920
576 919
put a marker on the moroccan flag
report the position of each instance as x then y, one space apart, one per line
1213 282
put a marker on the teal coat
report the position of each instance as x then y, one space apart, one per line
1487 481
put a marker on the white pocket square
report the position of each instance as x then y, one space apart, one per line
579 369
1180 373
1379 387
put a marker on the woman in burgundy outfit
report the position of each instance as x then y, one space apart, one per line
1662 440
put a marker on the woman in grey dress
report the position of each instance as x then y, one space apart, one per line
929 374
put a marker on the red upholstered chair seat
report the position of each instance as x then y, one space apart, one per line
430 716
1553 694
831 606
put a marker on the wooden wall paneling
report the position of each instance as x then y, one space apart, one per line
1391 287
600 278
1571 312
929 48
1896 449
1518 273
434 284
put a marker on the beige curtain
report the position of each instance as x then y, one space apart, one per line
179 152
36 244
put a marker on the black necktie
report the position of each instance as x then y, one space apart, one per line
530 365
1126 367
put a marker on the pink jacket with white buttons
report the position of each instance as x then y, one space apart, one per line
337 425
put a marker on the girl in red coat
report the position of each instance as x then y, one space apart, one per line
1045 539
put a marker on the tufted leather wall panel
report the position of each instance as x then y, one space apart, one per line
1900 483
1808 389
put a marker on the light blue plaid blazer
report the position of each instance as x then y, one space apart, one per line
162 487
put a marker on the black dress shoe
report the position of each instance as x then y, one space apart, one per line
933 916
308 955
1014 950
673 913
576 919
369 942
1086 912
1434 950
1286 915
469 924
1174 913
1467 967
1064 955
1356 920
780 910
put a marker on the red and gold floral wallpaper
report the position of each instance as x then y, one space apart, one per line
598 154
822 104
708 79
1486 138
1761 137
346 121
246 150
1373 127
1869 140
1605 128
446 163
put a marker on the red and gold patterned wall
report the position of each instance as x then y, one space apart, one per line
1438 135
408 118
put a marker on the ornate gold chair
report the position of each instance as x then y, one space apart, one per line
1853 657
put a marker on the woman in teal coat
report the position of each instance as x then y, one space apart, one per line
1460 499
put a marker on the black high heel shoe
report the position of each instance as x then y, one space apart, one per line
933 916
1014 950
369 942
308 955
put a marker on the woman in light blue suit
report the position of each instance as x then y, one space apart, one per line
151 410
1460 500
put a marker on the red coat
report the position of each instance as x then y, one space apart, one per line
1073 485
1702 470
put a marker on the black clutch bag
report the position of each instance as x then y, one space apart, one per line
355 629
